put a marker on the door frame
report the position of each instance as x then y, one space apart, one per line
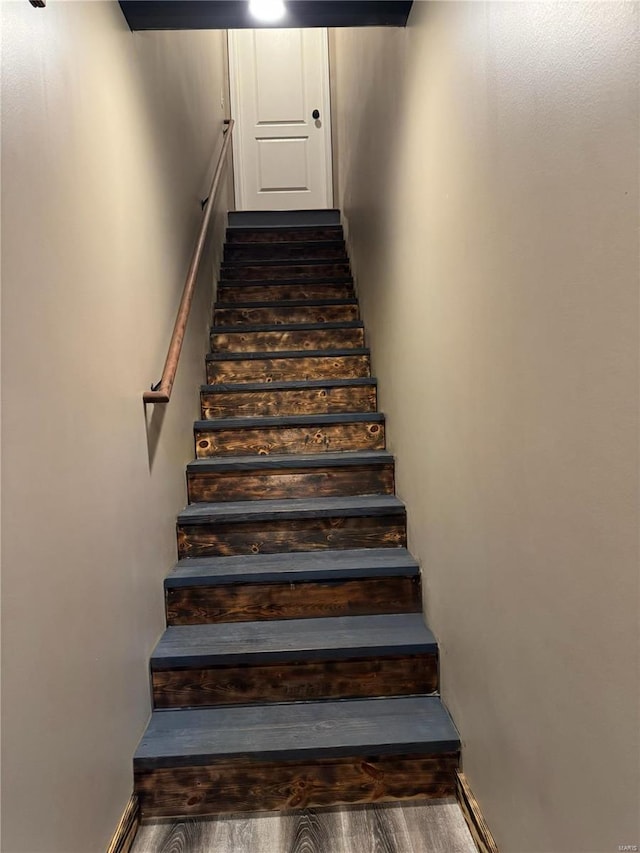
234 95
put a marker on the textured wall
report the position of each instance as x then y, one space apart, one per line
488 170
107 146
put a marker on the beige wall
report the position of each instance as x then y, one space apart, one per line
488 170
107 148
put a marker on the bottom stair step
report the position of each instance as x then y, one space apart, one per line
266 757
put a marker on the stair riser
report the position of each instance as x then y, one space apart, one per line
285 314
331 482
284 235
266 252
282 292
304 339
309 534
300 401
239 786
271 272
289 369
295 682
309 600
304 439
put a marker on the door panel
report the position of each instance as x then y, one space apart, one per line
282 156
283 164
279 76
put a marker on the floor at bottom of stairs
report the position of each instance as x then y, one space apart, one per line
436 827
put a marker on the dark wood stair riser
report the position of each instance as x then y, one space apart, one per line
276 369
289 272
290 439
285 314
295 681
237 236
239 785
201 605
297 250
298 401
274 292
252 485
271 537
310 339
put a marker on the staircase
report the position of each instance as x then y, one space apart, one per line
296 669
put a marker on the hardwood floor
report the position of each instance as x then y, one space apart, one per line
435 827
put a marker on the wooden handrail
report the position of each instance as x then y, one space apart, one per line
161 393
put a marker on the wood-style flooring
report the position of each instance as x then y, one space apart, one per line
434 827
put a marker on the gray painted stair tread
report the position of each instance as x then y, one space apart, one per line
291 461
288 303
334 230
328 638
280 262
293 567
329 280
286 327
290 244
293 385
287 732
282 218
299 353
272 510
289 421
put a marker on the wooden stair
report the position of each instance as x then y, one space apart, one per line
310 396
340 657
296 669
358 472
292 585
283 366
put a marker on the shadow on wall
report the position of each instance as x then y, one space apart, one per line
154 415
365 221
204 294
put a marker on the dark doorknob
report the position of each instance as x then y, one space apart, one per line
316 114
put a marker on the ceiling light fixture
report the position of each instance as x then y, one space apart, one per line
267 10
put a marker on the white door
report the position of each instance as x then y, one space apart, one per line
280 101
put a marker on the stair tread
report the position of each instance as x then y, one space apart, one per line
291 385
290 508
333 227
284 262
285 732
298 353
293 567
286 327
287 303
288 244
270 641
328 280
337 243
291 460
286 219
263 422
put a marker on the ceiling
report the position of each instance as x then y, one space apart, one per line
234 14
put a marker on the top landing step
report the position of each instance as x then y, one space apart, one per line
282 218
